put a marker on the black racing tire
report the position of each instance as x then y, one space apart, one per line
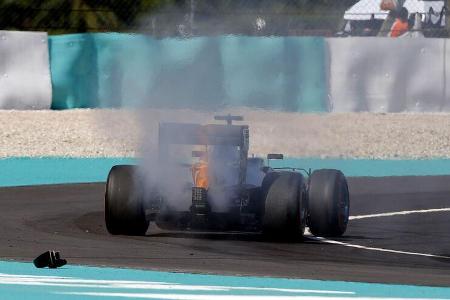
124 210
284 206
328 202
267 183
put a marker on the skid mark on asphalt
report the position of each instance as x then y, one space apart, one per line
380 215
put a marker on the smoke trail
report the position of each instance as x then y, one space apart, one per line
184 85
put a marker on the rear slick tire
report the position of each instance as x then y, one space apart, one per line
124 211
284 209
328 202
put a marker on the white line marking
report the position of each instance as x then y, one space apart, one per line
388 214
324 240
8 279
290 290
400 213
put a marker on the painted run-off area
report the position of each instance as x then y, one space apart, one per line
54 170
22 280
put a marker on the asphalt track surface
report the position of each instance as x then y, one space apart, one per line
69 218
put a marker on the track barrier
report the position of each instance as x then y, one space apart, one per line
24 70
298 74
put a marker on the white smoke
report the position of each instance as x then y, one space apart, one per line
187 87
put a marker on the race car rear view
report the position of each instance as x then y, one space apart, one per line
218 187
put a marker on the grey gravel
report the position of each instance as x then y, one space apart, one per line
121 133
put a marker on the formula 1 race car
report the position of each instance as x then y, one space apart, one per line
221 188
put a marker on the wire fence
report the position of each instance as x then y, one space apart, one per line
218 17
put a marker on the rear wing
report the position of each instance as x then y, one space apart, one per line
196 134
211 134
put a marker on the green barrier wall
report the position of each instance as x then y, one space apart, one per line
116 70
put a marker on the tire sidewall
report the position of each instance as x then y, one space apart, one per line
124 210
328 203
284 206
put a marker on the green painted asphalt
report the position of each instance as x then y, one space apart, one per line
53 170
20 171
23 281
